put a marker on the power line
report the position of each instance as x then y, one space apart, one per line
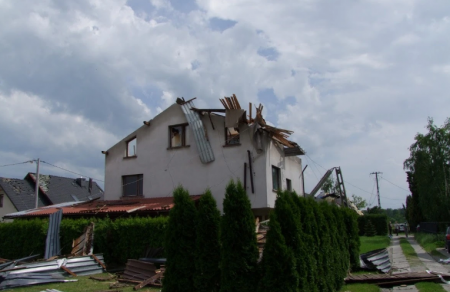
29 161
395 185
70 171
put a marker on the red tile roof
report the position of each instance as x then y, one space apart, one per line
111 207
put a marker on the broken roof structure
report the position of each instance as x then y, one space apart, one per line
110 208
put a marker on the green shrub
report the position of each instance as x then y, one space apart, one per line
207 258
289 219
310 236
180 244
279 271
351 226
119 240
239 252
369 229
380 221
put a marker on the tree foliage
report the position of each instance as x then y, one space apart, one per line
180 244
239 251
207 258
428 165
359 202
279 271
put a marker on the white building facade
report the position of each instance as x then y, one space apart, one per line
166 152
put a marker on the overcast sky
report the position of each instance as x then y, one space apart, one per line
355 80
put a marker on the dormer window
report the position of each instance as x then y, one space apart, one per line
131 147
178 136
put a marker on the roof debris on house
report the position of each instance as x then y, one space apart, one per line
235 114
111 208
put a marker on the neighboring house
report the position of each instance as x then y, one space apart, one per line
203 149
19 194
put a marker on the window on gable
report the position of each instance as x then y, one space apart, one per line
232 136
131 147
288 184
276 178
178 136
132 185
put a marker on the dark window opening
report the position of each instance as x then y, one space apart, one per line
1 201
132 185
232 136
276 175
178 136
131 147
288 184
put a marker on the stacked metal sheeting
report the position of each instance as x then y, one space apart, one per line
28 279
137 270
81 266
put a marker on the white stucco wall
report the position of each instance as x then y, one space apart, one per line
290 168
7 208
163 169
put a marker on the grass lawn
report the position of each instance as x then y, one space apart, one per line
410 253
84 284
429 287
373 242
360 288
430 243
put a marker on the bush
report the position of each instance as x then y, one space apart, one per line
351 226
369 229
180 244
207 258
380 221
119 240
239 252
279 271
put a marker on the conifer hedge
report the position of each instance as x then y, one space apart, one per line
239 252
118 240
180 244
379 221
207 257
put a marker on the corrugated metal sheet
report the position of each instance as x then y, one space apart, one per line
376 260
82 266
204 148
52 244
98 207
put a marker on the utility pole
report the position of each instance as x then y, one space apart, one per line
37 182
378 189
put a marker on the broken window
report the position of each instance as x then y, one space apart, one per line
232 136
178 136
276 177
288 185
131 147
132 185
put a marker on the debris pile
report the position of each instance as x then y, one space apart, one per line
386 280
142 273
376 260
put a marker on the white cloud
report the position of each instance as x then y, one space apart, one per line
350 78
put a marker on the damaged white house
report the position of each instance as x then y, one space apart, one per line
201 149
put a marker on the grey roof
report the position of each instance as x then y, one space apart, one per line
53 190
21 193
64 189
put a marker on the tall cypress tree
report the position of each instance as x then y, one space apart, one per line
279 272
239 252
180 244
288 218
207 258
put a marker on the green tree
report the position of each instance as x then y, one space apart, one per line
428 164
330 186
180 244
290 221
359 202
207 257
239 251
279 271
369 229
